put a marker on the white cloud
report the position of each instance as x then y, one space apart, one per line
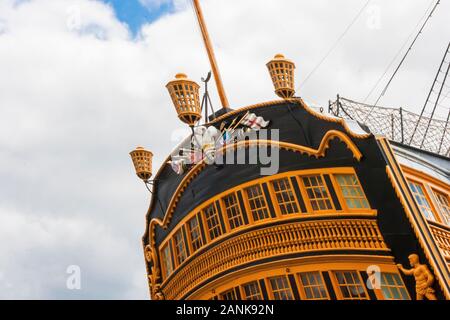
77 93
156 4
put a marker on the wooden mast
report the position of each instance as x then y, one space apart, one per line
211 55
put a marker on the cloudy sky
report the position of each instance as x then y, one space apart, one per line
82 83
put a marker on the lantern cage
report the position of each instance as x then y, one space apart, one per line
142 160
282 72
185 97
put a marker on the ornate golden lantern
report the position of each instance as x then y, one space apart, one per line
142 160
185 97
282 73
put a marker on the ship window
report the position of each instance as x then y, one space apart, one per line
180 247
285 196
167 260
392 287
257 202
350 285
281 289
421 199
195 233
317 193
233 211
444 204
352 191
213 221
313 286
228 295
252 291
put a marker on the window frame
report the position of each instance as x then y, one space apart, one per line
222 294
175 248
337 286
301 287
192 250
248 205
445 218
379 292
225 216
205 222
242 290
340 194
426 194
274 198
304 192
270 290
165 272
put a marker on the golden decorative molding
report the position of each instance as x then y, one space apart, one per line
442 237
423 277
407 199
317 153
197 169
298 237
293 266
300 103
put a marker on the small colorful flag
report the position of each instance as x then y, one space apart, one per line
253 121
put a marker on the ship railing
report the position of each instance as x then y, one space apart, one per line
441 234
397 124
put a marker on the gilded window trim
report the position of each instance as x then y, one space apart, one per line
341 197
318 153
269 287
293 266
414 216
273 197
379 292
155 271
279 217
306 197
242 290
436 215
301 287
302 104
305 237
248 209
337 286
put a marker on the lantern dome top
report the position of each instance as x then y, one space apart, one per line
180 76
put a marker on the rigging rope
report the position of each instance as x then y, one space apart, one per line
399 52
334 45
404 57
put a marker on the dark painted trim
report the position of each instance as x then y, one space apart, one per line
263 289
329 285
333 194
242 206
295 289
270 204
298 194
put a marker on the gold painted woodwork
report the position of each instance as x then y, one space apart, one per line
282 72
293 266
423 277
317 153
442 236
298 101
297 237
330 171
301 104
279 216
185 98
428 244
142 161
